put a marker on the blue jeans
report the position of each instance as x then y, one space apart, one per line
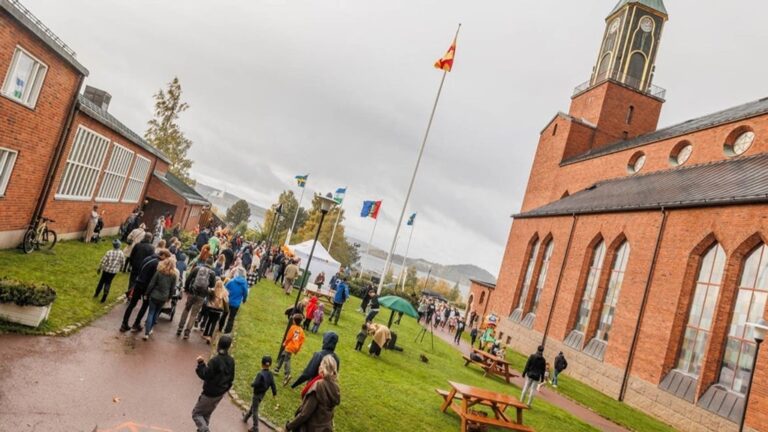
554 377
154 312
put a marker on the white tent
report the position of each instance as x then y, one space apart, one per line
322 261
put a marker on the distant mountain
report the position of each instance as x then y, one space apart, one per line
223 200
454 272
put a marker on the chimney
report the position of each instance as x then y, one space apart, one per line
98 97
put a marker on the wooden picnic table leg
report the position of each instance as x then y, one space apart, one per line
464 411
506 373
448 400
519 415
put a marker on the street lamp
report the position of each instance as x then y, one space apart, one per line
326 204
759 330
278 213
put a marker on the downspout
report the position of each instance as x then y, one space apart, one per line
641 314
56 160
559 280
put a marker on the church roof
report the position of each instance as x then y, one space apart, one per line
653 4
739 180
740 112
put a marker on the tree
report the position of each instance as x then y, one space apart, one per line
389 277
455 293
341 250
290 204
165 134
411 280
238 213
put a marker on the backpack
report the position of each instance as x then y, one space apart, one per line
202 279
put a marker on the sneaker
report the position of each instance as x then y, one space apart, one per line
554 385
136 329
286 380
146 337
124 329
186 336
277 371
178 333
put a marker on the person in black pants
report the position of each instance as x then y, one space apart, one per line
138 254
146 271
263 382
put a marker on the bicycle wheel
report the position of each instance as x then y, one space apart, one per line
49 239
29 241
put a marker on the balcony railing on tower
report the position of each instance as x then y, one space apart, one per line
48 32
626 80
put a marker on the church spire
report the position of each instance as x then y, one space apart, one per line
630 43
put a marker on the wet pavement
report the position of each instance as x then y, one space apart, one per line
103 380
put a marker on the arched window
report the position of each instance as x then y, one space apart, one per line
736 369
702 311
542 275
517 313
595 268
482 298
630 113
612 295
636 67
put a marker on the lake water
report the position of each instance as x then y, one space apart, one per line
376 264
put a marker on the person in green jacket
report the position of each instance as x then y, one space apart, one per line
161 288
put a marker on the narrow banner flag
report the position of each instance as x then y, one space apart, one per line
339 195
370 209
446 62
411 219
301 180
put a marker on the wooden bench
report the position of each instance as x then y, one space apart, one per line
491 364
490 421
446 393
463 397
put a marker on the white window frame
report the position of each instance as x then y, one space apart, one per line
33 88
6 155
115 174
136 181
79 177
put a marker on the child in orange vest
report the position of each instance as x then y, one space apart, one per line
291 346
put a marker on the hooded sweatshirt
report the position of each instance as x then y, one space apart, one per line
238 291
316 411
330 339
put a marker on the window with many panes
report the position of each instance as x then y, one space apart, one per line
528 275
702 311
24 78
115 174
83 165
736 370
590 288
614 289
542 275
136 180
7 160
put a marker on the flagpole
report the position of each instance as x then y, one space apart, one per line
405 257
368 249
338 217
415 171
295 216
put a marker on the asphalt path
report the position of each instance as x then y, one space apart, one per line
101 380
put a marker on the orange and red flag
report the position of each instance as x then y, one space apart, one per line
446 62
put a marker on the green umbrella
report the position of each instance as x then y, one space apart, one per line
398 304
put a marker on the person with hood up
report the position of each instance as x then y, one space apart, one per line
217 378
381 336
238 294
330 339
341 296
318 400
310 312
533 373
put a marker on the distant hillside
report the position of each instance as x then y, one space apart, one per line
455 272
223 200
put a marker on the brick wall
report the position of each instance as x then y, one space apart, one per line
34 132
71 216
186 214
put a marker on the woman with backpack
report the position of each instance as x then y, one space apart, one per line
200 280
161 288
217 305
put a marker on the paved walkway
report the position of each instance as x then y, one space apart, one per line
102 380
547 394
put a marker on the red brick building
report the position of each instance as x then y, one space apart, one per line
641 253
61 152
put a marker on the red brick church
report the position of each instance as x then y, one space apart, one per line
642 253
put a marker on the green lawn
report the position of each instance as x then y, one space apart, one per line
394 392
70 269
602 404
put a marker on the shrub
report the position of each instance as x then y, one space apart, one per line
25 294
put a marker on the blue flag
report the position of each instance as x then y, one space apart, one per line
301 180
367 207
339 195
411 219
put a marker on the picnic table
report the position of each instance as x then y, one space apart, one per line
491 364
327 296
462 397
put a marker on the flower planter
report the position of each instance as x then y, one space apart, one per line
30 316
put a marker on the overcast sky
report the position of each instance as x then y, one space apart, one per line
342 89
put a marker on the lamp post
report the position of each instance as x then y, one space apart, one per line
278 213
326 204
759 330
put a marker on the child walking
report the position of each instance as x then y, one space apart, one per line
263 382
291 346
361 337
317 317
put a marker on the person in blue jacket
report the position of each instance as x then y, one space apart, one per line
238 294
342 294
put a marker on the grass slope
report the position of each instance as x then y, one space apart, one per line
394 392
70 269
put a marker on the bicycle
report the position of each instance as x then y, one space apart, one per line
39 236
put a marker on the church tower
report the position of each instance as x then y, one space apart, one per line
619 99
